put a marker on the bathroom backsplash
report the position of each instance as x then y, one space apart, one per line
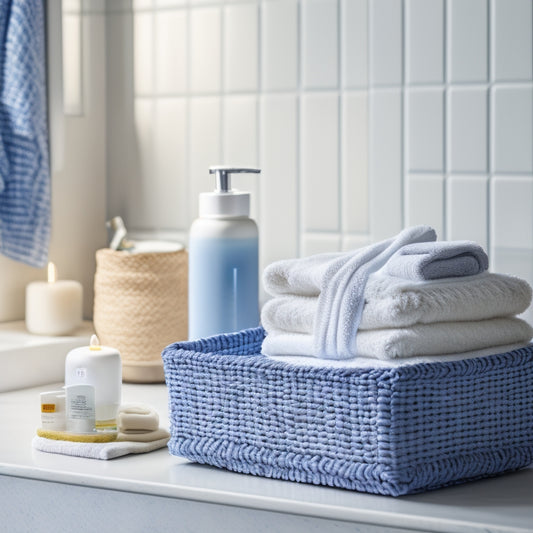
365 116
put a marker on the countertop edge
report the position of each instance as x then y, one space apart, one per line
263 503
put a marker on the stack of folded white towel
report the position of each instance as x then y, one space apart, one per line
407 296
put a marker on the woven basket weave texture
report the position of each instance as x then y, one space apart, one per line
389 431
140 303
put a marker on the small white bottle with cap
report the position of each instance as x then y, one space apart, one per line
223 260
101 368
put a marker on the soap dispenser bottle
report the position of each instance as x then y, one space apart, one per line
223 260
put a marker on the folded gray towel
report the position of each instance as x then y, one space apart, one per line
436 260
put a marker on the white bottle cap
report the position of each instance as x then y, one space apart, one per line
224 204
224 201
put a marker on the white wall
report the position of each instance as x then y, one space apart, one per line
79 176
365 115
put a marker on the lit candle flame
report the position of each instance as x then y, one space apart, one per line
94 344
52 273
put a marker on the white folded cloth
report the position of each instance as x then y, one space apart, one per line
392 302
417 340
96 450
137 416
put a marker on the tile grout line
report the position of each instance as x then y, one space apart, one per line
187 164
445 121
490 125
340 107
404 142
299 210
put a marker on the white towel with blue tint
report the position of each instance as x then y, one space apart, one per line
340 280
24 168
323 303
436 260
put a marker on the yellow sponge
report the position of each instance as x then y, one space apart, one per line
75 437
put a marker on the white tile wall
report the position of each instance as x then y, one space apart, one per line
364 115
425 132
141 208
467 129
240 143
241 61
320 243
354 184
320 44
512 220
512 128
385 163
279 177
319 162
279 45
466 209
425 201
170 148
204 147
206 56
424 25
171 48
467 40
354 45
143 44
511 39
386 42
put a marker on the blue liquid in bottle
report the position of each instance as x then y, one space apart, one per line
223 285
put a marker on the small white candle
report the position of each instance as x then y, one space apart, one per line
53 307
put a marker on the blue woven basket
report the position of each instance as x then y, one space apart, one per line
386 430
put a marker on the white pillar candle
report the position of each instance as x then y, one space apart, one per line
53 307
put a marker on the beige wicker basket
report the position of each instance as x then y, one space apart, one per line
140 306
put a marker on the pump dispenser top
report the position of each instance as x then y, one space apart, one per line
225 201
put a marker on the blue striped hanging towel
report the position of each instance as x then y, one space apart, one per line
24 161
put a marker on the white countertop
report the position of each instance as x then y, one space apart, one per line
500 504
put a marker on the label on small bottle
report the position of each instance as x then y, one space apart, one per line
80 408
81 373
53 410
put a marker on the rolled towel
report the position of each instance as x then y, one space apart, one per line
437 260
419 340
392 302
137 416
